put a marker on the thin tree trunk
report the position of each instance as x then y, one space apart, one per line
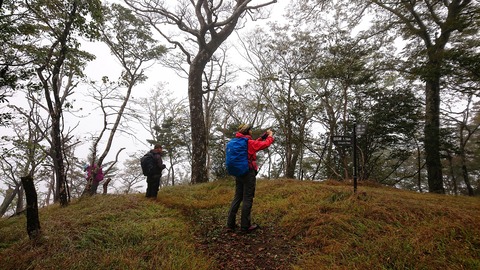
463 160
467 179
105 185
452 174
9 196
20 205
88 187
419 167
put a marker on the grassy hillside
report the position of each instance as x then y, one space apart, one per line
305 225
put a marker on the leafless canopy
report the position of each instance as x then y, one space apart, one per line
203 19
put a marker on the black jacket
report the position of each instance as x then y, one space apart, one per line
159 166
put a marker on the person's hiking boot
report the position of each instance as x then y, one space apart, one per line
251 228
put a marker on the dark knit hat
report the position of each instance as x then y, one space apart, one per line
244 128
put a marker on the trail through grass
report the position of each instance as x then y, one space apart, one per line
305 225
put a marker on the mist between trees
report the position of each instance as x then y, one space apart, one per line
308 75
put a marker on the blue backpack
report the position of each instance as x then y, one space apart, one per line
237 156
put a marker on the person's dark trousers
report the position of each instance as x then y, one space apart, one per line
153 184
244 193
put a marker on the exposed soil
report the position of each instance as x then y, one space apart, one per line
264 248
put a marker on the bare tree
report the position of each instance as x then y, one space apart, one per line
131 177
131 42
58 64
282 74
466 129
210 24
165 117
26 154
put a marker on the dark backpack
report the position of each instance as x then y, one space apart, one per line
237 156
148 164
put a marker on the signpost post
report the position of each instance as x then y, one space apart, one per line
344 141
358 129
354 157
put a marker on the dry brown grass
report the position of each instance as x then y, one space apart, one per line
314 225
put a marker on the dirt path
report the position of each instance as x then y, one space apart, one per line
265 248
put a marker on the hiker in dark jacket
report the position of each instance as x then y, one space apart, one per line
153 180
245 184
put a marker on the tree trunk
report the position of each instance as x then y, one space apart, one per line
33 222
452 174
20 205
218 32
290 166
50 190
199 138
432 135
88 187
61 190
173 176
419 167
463 160
55 105
466 179
9 196
105 185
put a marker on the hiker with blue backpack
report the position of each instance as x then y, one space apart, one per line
241 162
152 166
